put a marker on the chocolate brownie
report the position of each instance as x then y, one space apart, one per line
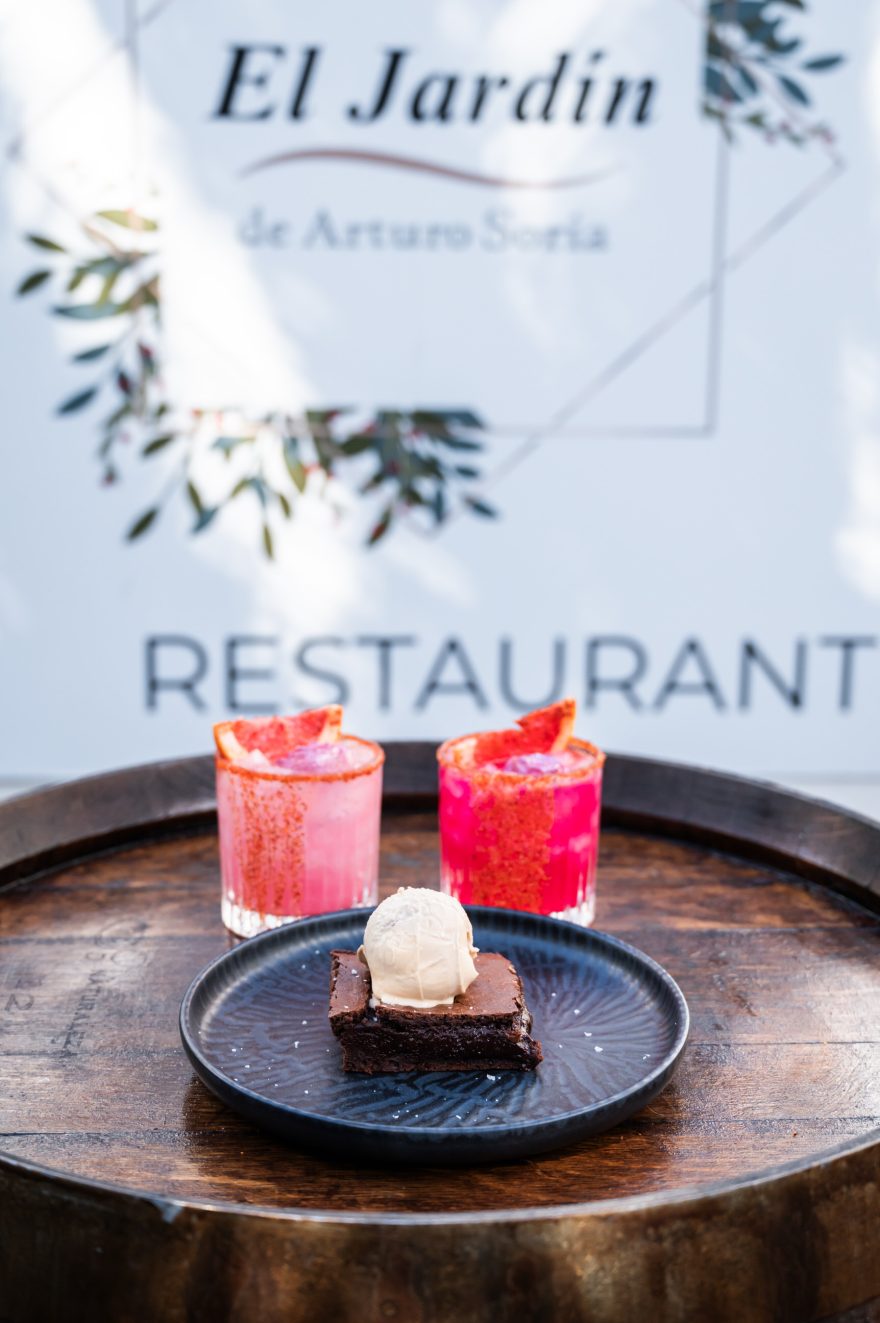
486 1027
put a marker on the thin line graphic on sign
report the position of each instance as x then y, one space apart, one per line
732 263
711 289
390 160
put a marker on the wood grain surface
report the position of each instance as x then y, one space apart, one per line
782 975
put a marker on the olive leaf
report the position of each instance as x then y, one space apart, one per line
481 507
411 471
295 467
40 241
89 312
33 281
226 444
159 443
130 219
381 528
78 401
794 90
89 355
748 44
142 523
823 62
195 498
205 518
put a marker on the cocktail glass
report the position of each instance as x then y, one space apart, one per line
523 839
299 840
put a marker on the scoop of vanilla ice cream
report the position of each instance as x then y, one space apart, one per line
419 947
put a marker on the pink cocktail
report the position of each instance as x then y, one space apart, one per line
522 832
301 836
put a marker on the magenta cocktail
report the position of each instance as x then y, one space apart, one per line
521 830
299 835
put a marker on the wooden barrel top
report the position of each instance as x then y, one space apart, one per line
749 1189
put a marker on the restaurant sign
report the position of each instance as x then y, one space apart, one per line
441 360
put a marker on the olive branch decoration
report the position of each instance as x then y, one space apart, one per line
754 71
407 460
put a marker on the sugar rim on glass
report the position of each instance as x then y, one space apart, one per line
446 757
271 773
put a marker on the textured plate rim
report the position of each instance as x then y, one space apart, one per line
477 913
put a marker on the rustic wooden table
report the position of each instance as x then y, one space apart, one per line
749 1190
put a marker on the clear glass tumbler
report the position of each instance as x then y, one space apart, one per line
294 843
524 840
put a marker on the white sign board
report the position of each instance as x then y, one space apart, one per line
442 360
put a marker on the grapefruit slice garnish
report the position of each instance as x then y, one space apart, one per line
546 730
276 736
552 727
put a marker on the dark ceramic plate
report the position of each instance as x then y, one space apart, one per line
612 1024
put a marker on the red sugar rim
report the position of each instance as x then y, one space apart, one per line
449 751
283 774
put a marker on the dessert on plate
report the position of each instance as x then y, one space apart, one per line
419 996
519 816
298 804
